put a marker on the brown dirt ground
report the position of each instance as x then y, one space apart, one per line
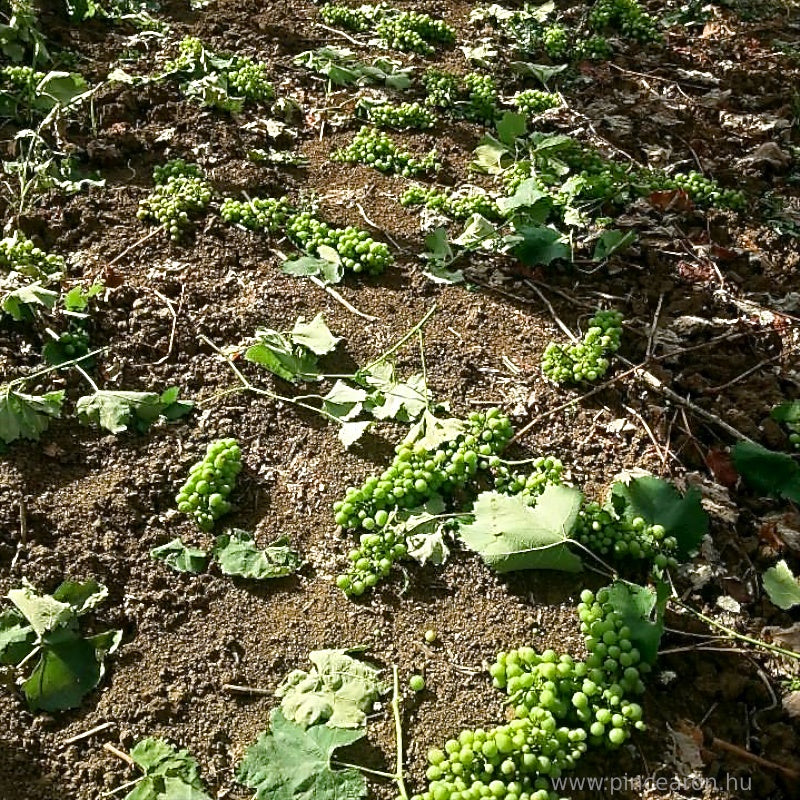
96 504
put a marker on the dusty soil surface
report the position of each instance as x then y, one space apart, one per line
94 504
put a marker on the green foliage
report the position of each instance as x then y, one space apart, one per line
28 94
44 631
376 149
237 554
509 535
339 691
169 773
789 414
626 16
292 355
291 762
587 360
641 610
26 416
117 411
210 483
766 471
341 67
782 586
180 193
178 556
20 36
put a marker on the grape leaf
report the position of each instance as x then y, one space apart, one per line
528 196
25 415
431 431
328 271
20 303
642 609
169 774
611 242
116 411
425 538
178 556
293 763
237 554
539 245
77 299
314 335
787 412
510 127
276 352
510 535
782 586
339 691
658 502
16 637
82 596
344 401
350 432
776 474
43 612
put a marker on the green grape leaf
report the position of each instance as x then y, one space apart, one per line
59 89
344 401
43 612
787 412
768 472
293 763
542 72
477 230
69 668
82 596
611 242
21 303
77 299
439 249
339 691
169 773
658 502
26 416
510 535
172 407
237 554
328 271
431 431
491 156
782 586
350 432
275 352
178 556
314 335
425 537
536 245
642 610
510 127
403 401
116 411
16 637
528 196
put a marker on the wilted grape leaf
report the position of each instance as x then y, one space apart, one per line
528 196
350 432
26 416
776 474
20 303
611 242
642 610
431 431
658 502
115 411
339 690
237 554
425 538
276 352
782 586
510 535
294 763
344 401
178 556
314 335
328 271
43 612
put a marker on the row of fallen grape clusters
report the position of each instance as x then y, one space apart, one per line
182 192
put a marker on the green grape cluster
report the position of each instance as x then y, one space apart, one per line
588 359
561 706
210 483
402 116
626 16
458 207
555 40
259 214
72 343
418 473
190 53
483 99
249 80
534 101
376 149
19 254
20 82
413 32
593 48
179 193
607 534
353 19
702 190
358 251
794 434
545 471
442 88
372 560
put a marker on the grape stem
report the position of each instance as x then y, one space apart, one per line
403 339
71 363
733 634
